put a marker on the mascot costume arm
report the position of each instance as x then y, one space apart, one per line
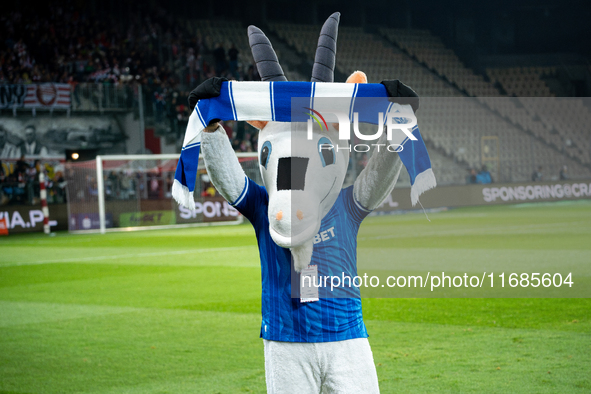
378 178
221 163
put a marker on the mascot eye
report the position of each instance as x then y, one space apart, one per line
326 151
265 153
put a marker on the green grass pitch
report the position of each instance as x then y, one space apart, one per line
178 311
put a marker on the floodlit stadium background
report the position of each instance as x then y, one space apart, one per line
503 90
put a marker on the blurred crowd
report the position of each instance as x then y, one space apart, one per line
69 46
66 45
19 181
481 176
120 184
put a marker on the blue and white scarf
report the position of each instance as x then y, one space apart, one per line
272 101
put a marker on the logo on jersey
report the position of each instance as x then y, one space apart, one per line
324 235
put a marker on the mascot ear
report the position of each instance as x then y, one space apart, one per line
257 124
357 77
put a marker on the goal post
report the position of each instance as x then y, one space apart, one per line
134 192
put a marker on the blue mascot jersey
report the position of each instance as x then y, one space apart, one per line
335 252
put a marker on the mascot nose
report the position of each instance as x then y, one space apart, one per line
279 215
300 214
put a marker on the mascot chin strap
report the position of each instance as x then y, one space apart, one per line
302 255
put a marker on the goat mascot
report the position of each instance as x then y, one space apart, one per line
316 344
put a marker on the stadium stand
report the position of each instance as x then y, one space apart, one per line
366 52
522 81
561 121
68 45
518 81
431 51
422 61
233 32
168 57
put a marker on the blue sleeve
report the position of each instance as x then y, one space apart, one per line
251 200
355 210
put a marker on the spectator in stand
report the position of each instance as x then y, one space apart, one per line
9 187
153 186
227 125
219 54
73 83
563 173
239 131
126 185
233 56
472 177
92 187
244 145
254 141
113 180
21 167
207 187
191 64
32 172
252 74
32 182
4 199
169 183
20 178
59 190
484 176
537 175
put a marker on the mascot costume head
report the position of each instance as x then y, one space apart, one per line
302 179
303 165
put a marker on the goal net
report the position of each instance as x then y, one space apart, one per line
133 192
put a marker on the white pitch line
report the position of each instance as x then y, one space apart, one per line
120 256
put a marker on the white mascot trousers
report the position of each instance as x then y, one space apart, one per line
326 367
